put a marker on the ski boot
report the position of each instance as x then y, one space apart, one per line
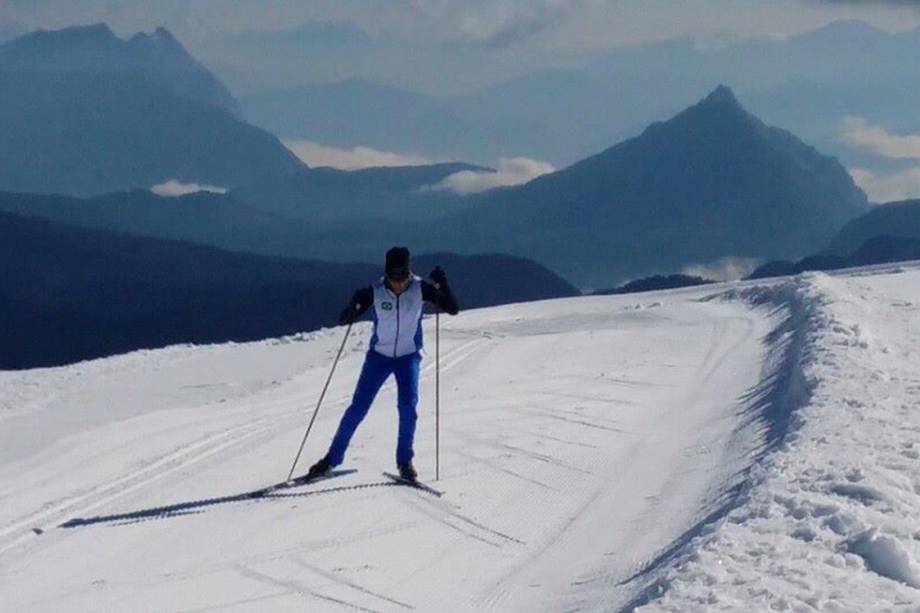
320 469
408 472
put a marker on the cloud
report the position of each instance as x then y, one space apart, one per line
858 132
725 269
494 23
511 171
314 154
173 188
891 187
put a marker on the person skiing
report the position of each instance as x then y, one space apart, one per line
395 349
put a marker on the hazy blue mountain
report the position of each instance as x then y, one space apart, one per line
322 195
278 217
10 30
489 279
806 83
83 112
654 284
209 219
712 182
897 219
69 294
157 58
876 250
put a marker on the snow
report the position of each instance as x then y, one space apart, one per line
745 446
829 521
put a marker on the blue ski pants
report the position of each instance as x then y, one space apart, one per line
377 369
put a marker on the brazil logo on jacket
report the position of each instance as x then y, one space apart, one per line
398 319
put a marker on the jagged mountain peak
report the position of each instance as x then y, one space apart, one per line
156 57
721 96
160 38
95 31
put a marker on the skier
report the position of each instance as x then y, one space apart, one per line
395 348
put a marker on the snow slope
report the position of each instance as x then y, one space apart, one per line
830 520
596 453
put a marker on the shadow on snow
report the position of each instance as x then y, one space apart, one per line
194 507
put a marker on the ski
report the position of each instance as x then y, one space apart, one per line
414 483
300 481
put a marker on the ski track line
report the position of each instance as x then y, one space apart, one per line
346 583
164 466
441 505
525 432
541 457
173 462
493 465
432 514
717 355
223 606
295 588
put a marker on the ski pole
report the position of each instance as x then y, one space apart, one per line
319 402
437 395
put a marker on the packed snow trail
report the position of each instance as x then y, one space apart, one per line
583 441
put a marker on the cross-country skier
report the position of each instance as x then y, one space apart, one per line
395 349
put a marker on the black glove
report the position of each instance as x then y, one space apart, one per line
348 316
437 275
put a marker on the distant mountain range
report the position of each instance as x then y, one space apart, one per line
807 84
896 219
886 233
876 250
279 217
710 183
83 112
68 294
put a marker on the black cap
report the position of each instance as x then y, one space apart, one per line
398 264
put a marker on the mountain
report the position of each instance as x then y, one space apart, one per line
899 219
206 218
69 294
322 195
280 217
157 58
876 250
807 83
654 284
712 182
83 112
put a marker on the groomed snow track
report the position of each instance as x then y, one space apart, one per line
590 447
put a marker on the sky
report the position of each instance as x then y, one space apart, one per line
435 46
451 47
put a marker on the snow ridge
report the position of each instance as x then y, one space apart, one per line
766 412
828 516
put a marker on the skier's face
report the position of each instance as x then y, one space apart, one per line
398 285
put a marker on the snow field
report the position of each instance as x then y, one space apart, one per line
673 453
830 519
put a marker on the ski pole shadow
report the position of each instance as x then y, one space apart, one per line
194 507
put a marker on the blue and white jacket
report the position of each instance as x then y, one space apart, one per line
398 319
